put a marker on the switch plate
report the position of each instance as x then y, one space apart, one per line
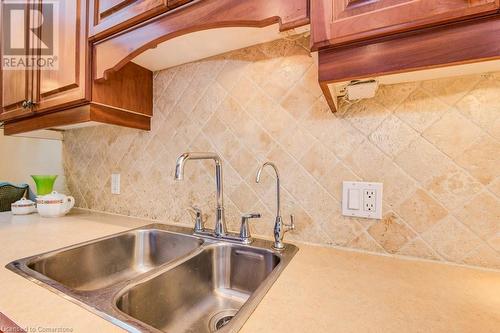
362 199
115 183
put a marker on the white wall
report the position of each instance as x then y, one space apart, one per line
21 157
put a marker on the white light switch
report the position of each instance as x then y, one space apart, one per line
353 199
115 183
362 199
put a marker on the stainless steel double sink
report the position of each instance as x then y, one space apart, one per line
161 278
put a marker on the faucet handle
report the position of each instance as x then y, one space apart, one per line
196 213
245 236
251 216
291 226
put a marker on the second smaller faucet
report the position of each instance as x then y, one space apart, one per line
280 228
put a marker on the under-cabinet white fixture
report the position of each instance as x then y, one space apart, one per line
362 199
361 89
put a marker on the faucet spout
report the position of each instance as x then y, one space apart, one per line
179 166
220 221
278 188
280 228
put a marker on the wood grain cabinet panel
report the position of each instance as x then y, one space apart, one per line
337 22
66 85
110 16
15 83
176 3
14 92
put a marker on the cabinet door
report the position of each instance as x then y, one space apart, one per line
109 16
344 21
15 77
64 83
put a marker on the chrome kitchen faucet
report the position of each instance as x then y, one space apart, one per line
220 230
220 220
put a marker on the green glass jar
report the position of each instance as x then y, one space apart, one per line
44 183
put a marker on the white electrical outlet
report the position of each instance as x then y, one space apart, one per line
115 183
362 199
369 200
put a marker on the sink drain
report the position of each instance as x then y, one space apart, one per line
223 322
221 319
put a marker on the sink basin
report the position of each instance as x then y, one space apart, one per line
161 278
107 262
201 294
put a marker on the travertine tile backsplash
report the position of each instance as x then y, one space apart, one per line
435 145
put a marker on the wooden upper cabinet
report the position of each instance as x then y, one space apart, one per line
59 90
66 84
64 46
15 92
343 21
110 16
15 81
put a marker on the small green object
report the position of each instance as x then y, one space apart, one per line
44 183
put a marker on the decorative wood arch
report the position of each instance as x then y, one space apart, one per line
114 52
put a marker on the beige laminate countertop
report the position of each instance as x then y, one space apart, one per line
322 290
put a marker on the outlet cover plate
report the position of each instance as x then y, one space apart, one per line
362 199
